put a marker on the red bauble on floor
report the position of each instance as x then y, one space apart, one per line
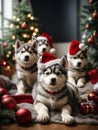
23 116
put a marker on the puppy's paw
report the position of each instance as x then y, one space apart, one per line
43 117
19 93
67 119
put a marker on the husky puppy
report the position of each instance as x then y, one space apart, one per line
52 91
43 43
26 66
77 61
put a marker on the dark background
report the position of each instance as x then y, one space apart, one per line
59 18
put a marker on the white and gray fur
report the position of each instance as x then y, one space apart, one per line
41 45
53 92
77 69
26 66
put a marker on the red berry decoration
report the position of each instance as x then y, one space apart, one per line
23 116
90 1
95 34
2 92
90 40
5 44
24 25
91 96
8 103
87 26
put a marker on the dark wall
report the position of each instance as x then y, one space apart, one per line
58 18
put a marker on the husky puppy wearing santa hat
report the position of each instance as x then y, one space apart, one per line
43 43
77 61
52 91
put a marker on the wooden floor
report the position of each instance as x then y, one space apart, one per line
49 127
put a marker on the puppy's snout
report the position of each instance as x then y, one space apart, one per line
26 58
53 81
44 49
79 64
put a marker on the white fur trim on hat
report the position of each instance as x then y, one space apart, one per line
52 62
41 38
81 45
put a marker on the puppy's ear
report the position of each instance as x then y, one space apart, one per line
64 62
40 65
34 42
18 43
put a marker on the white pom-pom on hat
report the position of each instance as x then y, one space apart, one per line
81 45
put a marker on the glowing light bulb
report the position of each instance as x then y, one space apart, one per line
31 28
14 17
11 25
18 19
34 34
29 15
36 30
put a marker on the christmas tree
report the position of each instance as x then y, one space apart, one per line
89 28
22 26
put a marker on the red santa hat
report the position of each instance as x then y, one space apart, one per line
76 48
49 39
47 59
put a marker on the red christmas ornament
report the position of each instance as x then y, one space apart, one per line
5 44
5 96
90 40
8 103
3 91
4 63
24 25
95 34
23 116
90 1
93 76
87 26
95 15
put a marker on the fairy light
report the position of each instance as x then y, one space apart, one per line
9 52
34 34
24 35
29 41
8 67
31 28
29 15
11 25
7 56
14 17
18 19
17 26
13 37
36 30
13 58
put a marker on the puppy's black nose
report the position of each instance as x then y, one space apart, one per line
53 81
26 58
79 64
44 49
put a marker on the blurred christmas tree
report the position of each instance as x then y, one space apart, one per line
22 26
90 31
